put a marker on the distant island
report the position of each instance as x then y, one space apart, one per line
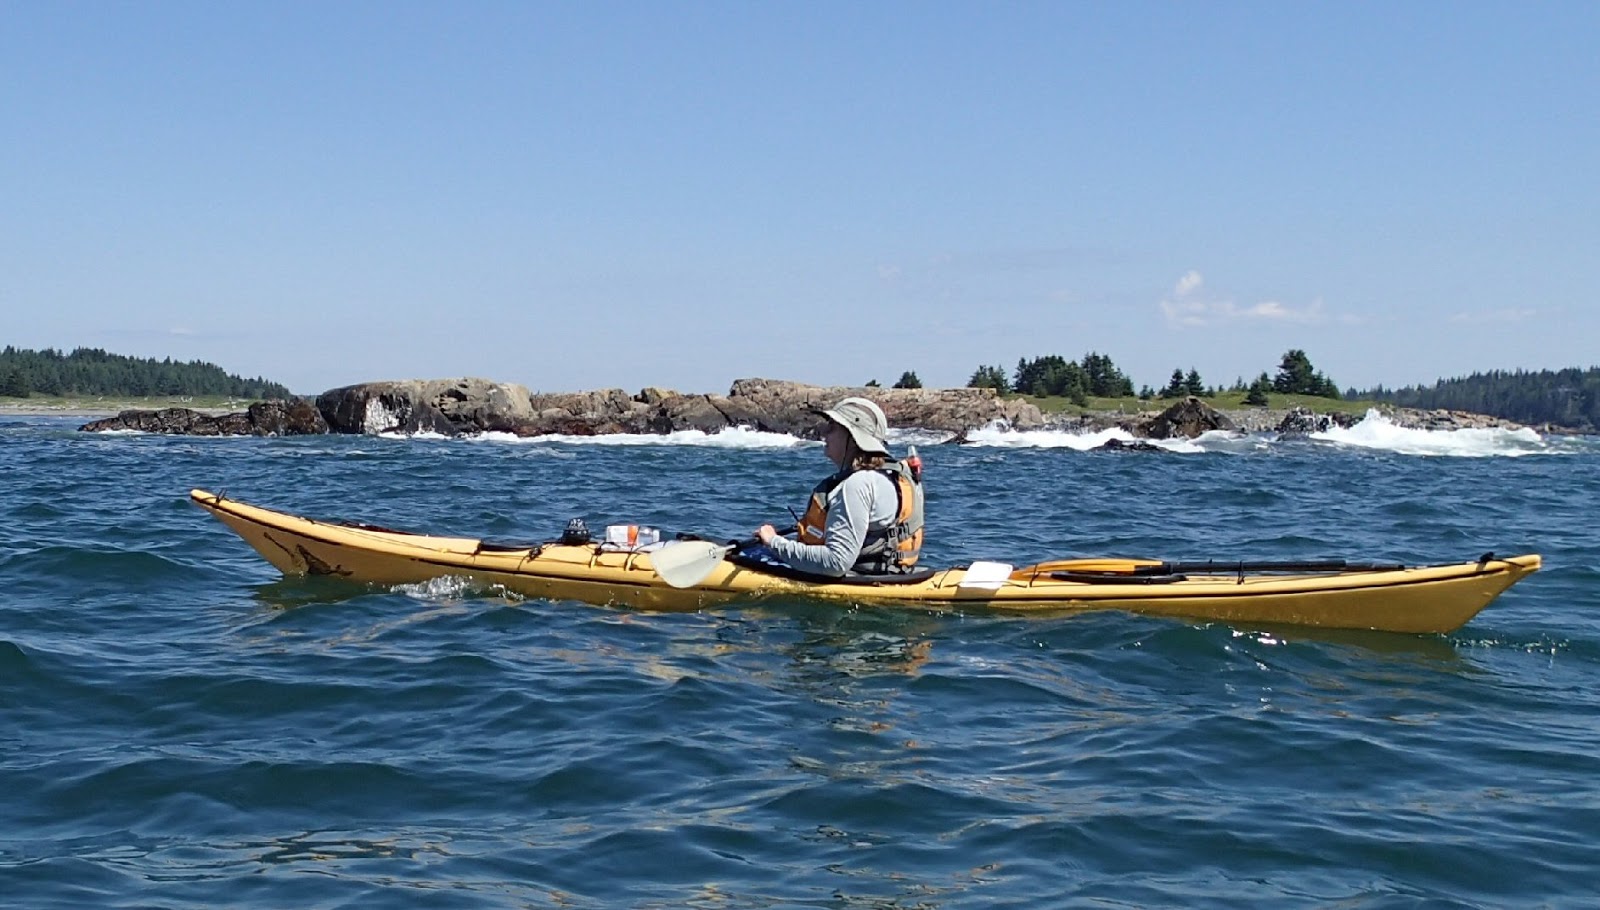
1085 391
93 372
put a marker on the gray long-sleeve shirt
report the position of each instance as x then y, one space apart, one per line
864 502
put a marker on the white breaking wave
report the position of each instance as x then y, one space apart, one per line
997 435
733 438
1376 431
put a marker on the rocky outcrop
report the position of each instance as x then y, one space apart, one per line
264 418
286 418
447 406
1450 420
469 406
1303 421
771 405
790 407
1188 418
1118 445
585 414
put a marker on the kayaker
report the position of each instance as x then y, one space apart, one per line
867 516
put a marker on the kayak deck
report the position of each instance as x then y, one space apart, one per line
1423 599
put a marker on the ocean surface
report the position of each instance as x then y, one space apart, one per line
182 727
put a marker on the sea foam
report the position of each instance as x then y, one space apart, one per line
1376 431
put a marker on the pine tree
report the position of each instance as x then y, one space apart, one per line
987 377
1294 374
1257 396
14 383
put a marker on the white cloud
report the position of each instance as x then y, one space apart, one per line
1186 308
888 272
1482 317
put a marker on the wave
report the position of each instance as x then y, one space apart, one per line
732 438
1376 431
997 435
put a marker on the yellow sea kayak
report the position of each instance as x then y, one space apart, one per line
1417 599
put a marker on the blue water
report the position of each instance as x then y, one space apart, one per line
181 727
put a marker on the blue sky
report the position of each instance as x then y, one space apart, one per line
587 195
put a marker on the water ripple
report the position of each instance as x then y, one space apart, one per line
181 727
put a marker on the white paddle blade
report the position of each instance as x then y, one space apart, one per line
686 563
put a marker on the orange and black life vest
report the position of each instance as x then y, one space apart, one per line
895 549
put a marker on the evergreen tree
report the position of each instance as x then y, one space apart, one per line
1104 380
14 383
91 371
1054 375
1567 398
1294 373
1192 384
1257 396
1296 376
908 380
987 377
1041 377
1174 387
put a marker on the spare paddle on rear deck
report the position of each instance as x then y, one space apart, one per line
1107 571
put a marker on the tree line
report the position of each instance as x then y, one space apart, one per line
91 371
1567 398
1055 376
1096 376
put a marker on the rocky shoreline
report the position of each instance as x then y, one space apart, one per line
455 407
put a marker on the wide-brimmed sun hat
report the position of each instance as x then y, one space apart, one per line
865 422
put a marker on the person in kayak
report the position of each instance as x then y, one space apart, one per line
867 516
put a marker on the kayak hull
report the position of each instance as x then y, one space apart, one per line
1425 599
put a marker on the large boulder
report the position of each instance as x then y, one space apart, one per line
285 418
476 405
1303 421
446 406
586 414
688 412
1188 418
